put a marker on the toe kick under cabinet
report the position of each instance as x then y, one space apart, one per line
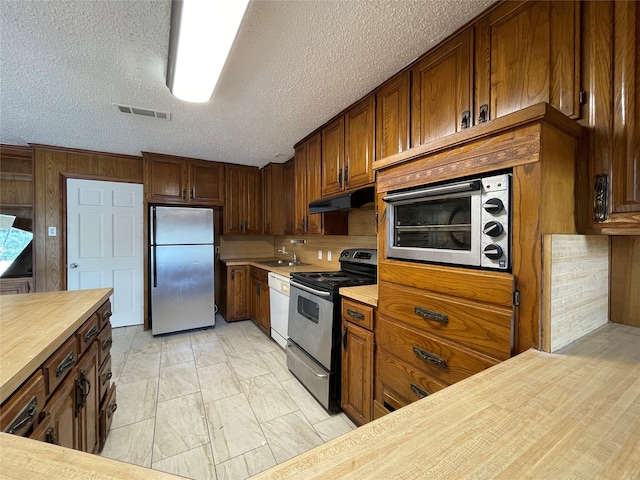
435 327
69 400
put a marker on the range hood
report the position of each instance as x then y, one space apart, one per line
343 201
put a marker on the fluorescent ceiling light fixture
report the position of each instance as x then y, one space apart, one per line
202 33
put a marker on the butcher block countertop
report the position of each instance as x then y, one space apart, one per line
365 293
573 414
34 325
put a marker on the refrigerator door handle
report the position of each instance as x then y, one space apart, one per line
155 270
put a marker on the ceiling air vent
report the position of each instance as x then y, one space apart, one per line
144 112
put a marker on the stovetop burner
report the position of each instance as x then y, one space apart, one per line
358 268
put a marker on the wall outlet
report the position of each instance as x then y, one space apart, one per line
328 255
319 254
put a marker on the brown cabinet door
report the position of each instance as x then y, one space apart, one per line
359 132
288 196
314 182
332 157
253 201
254 300
234 201
392 116
300 188
61 410
206 183
237 298
357 373
625 168
527 53
166 179
265 314
88 395
267 199
441 91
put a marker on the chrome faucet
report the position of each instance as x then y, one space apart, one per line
283 250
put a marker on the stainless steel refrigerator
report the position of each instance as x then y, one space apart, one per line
181 268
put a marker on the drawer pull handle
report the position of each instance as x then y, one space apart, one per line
112 409
431 315
107 343
24 417
93 331
68 362
420 393
107 315
354 314
106 377
344 338
429 357
50 436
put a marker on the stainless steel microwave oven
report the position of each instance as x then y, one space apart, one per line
459 223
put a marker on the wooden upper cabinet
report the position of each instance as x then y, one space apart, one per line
288 196
359 133
308 172
610 197
243 203
441 91
206 182
392 116
348 149
333 156
527 53
180 181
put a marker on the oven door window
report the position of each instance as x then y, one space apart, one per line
309 309
443 224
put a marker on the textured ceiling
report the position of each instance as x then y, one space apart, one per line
294 65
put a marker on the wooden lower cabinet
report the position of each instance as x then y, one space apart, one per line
63 401
259 295
357 361
236 301
14 286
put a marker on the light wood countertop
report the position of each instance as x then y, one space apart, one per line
573 414
24 459
34 325
284 270
365 293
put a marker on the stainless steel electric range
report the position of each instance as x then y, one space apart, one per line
313 348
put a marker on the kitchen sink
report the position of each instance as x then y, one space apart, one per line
282 263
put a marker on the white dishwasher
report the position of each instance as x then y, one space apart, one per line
279 307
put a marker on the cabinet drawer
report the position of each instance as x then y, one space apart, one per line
58 365
400 384
87 332
104 314
20 411
104 379
442 360
106 415
379 410
357 313
482 327
105 340
45 431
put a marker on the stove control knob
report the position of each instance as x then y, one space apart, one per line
492 228
493 251
493 205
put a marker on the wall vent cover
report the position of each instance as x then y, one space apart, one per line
143 112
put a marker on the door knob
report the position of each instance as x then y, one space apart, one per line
73 265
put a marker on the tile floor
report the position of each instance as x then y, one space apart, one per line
211 404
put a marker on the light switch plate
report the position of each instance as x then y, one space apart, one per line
52 231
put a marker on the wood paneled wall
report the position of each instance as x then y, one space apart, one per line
52 166
625 280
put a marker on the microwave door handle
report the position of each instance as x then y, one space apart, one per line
433 191
320 293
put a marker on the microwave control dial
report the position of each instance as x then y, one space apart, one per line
492 228
493 251
493 205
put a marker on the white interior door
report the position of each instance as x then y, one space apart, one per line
104 243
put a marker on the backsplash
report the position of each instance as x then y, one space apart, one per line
577 281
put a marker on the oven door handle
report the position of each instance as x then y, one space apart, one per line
433 191
320 293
